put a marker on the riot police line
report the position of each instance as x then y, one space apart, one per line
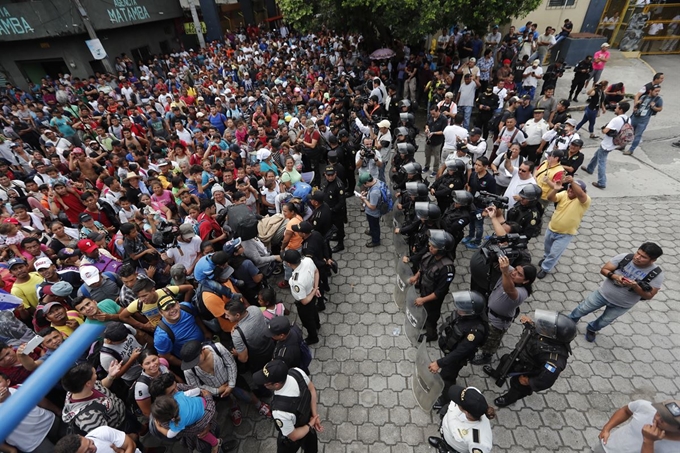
425 240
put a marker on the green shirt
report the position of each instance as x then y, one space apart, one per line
107 306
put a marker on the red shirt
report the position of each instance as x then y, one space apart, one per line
75 207
208 228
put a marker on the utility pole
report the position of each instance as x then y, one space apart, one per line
92 33
197 24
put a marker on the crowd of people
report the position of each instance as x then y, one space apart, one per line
163 202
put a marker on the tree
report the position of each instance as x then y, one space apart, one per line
381 21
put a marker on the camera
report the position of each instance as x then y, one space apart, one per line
508 245
487 199
165 237
367 153
560 130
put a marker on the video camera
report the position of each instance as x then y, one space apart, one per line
483 198
367 153
508 245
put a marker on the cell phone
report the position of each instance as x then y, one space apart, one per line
32 344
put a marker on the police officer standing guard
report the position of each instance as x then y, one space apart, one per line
335 198
293 406
434 277
539 357
304 285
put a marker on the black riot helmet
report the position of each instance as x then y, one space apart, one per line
406 148
402 131
555 326
404 103
531 192
416 189
408 117
412 168
456 165
462 197
427 211
441 240
468 303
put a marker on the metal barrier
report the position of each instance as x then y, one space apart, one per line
426 386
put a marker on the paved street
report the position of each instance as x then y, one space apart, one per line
362 370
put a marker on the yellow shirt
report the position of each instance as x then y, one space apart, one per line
554 174
26 291
151 311
66 331
568 214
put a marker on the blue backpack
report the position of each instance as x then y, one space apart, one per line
385 204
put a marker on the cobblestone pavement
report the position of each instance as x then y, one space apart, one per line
363 371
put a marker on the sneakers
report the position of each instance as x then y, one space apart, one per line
426 169
541 274
236 416
590 335
264 410
472 245
278 269
466 239
433 174
628 153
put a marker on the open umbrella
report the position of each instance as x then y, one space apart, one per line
382 54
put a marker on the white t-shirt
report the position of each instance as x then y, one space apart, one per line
189 252
532 81
33 428
458 431
103 437
627 438
142 389
286 420
452 133
614 124
124 349
515 186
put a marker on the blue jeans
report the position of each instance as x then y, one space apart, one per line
639 124
593 302
590 116
476 228
528 90
374 228
599 160
554 246
466 110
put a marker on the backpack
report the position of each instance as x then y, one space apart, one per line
130 400
166 328
651 275
625 135
217 351
93 358
385 204
247 228
210 286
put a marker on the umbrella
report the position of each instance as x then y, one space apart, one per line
382 54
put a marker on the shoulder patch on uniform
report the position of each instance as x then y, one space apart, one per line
550 367
341 192
279 423
296 288
471 337
533 222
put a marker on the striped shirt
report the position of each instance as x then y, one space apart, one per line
224 371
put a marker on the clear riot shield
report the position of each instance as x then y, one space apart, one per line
415 318
399 240
427 386
401 285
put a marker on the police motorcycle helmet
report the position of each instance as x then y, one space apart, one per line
407 117
462 197
427 211
468 303
416 189
531 192
441 240
406 149
402 132
404 103
456 165
412 168
555 326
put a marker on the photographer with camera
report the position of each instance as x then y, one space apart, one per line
368 159
480 180
630 278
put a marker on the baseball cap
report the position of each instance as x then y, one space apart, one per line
187 231
67 252
473 59
94 236
166 303
506 61
513 100
191 354
278 325
292 256
84 217
115 331
669 411
303 227
571 122
14 262
87 245
47 307
581 184
89 274
42 263
318 196
329 170
231 246
526 97
536 62
59 289
274 372
578 142
384 123
475 131
469 399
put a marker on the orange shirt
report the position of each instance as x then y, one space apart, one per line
296 240
215 304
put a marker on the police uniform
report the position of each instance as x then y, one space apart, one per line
444 186
435 277
464 435
528 219
398 161
316 247
454 221
417 230
336 200
322 219
301 284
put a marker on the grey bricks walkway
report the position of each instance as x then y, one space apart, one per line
362 371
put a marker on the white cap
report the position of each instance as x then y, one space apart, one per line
42 263
89 274
384 123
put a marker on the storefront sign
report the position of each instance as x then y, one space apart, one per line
13 25
190 28
127 11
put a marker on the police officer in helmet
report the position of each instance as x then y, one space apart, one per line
427 218
403 156
541 360
525 217
415 191
452 179
458 216
294 406
435 274
464 332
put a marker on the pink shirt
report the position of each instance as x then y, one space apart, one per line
600 64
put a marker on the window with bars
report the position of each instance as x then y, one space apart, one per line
561 3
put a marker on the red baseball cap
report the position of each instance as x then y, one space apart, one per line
87 246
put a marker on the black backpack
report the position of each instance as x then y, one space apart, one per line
166 328
651 275
247 228
210 286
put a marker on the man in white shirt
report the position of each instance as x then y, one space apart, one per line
607 145
534 130
651 428
187 250
183 134
530 78
453 134
99 440
522 176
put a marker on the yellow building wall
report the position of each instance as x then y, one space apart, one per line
554 17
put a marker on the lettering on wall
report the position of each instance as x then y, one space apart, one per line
127 11
12 25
